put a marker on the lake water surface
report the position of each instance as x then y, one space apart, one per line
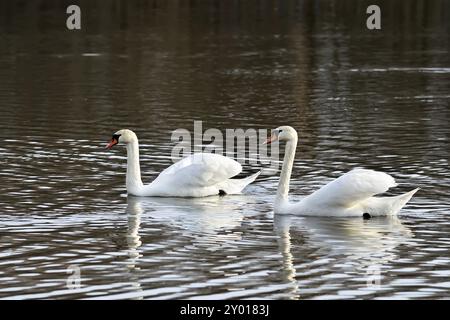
358 98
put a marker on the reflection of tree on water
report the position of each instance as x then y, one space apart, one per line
225 15
346 245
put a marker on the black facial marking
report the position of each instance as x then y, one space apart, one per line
222 193
366 216
116 136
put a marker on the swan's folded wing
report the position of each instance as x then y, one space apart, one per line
351 188
200 170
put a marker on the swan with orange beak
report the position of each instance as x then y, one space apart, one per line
352 194
197 175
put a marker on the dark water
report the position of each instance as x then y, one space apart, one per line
359 98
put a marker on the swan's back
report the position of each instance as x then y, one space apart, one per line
351 188
201 169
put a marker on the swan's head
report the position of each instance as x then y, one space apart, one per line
122 136
283 133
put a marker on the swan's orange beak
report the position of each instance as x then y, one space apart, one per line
112 143
272 138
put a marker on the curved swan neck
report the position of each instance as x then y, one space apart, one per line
286 170
133 167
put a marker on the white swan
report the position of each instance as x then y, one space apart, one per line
198 175
352 194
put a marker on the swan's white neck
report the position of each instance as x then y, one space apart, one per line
134 181
286 170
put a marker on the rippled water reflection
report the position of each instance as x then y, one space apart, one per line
358 100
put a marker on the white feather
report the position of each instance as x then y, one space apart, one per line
352 194
351 188
198 175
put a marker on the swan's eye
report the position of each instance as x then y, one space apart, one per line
280 131
116 136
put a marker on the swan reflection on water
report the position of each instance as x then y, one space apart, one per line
200 223
346 245
134 212
133 240
200 216
311 248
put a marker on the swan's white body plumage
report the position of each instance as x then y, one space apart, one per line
352 194
198 175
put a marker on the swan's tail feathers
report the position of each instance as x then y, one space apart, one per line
251 178
402 199
233 186
386 206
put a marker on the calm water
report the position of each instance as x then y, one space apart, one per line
377 100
